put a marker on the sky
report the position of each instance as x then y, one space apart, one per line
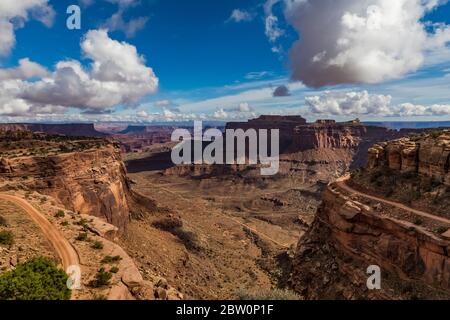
141 61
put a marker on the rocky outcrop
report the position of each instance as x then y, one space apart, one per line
90 182
328 135
348 236
428 156
71 130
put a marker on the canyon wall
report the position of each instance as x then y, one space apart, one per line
91 182
429 157
336 147
347 237
296 135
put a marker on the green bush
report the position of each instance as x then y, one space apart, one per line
102 279
82 236
418 221
37 279
110 259
60 214
441 230
97 245
83 223
6 238
114 270
436 134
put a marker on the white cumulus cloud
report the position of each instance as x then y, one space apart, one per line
117 75
27 69
14 14
361 41
365 104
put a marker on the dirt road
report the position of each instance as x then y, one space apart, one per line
235 220
341 183
64 249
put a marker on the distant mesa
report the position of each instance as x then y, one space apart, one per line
71 130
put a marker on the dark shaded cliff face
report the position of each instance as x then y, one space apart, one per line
71 130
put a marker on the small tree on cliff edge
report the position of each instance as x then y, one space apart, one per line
37 279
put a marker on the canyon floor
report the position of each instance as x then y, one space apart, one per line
237 237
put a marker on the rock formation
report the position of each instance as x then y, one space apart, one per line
348 236
352 231
89 182
333 146
428 156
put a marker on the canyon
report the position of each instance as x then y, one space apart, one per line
226 232
355 229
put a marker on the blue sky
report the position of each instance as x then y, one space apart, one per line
219 60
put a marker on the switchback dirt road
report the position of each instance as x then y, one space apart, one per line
341 183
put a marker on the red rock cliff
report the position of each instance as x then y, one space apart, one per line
348 236
428 156
91 182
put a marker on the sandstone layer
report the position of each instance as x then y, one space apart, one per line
428 156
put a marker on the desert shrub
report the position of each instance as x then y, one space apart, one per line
83 223
436 134
416 194
111 259
97 245
60 214
376 175
63 148
37 279
3 222
409 175
268 295
82 236
435 182
441 230
102 279
64 223
418 221
354 174
6 238
114 270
